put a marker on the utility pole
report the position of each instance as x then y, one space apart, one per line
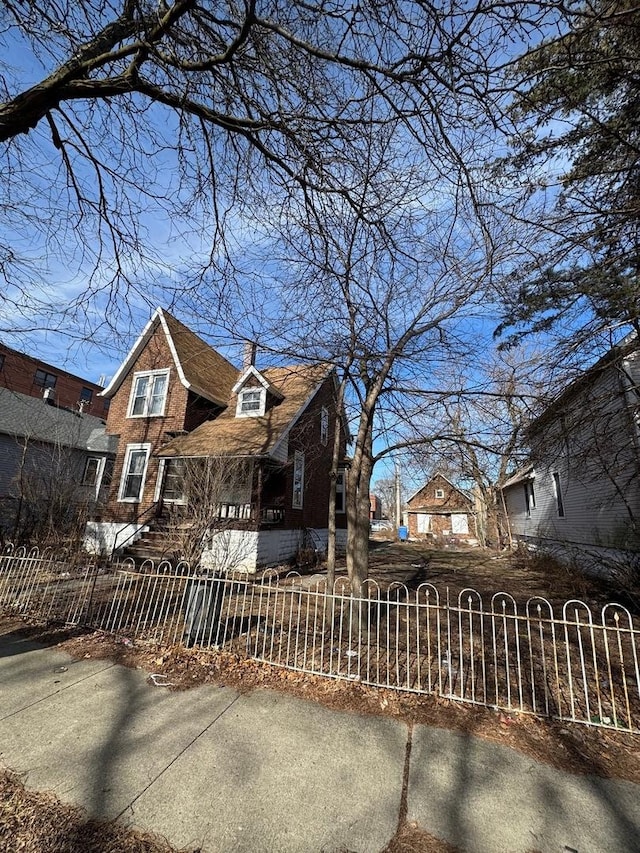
398 501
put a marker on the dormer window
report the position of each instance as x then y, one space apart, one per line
251 402
252 390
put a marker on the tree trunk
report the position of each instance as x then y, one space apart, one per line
359 482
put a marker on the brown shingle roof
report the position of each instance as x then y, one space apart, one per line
253 436
199 366
206 371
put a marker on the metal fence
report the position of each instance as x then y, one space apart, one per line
568 664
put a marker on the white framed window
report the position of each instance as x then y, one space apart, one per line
459 523
324 426
134 472
91 475
251 403
98 471
439 493
529 497
148 394
424 522
298 480
340 492
557 488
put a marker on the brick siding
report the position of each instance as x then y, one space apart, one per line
18 372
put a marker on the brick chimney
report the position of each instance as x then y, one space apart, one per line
249 354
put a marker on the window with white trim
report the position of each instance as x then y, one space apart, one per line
134 472
439 493
148 394
91 471
298 480
529 497
557 488
107 472
251 403
324 426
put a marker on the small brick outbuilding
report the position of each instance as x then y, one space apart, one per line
440 509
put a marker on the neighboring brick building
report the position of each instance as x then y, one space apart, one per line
28 375
375 507
441 509
180 408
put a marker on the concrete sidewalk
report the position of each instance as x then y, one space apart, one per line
265 772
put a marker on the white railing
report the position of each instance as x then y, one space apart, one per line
568 664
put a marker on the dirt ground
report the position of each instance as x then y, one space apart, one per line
571 747
522 575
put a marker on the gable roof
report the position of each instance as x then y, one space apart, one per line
613 358
522 475
431 480
33 419
259 377
200 368
256 436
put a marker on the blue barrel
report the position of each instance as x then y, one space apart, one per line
403 533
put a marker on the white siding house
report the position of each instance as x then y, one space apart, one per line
581 488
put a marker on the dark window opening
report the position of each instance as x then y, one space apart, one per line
529 498
91 470
44 380
174 480
558 491
86 395
107 474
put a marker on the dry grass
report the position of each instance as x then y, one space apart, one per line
34 822
411 838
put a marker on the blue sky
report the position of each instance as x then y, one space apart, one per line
61 267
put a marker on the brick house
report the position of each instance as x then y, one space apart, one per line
440 509
375 508
178 406
25 374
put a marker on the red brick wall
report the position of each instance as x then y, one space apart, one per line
18 374
152 430
375 507
305 436
426 497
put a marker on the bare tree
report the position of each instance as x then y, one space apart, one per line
125 118
206 497
332 156
476 433
50 501
388 308
385 488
